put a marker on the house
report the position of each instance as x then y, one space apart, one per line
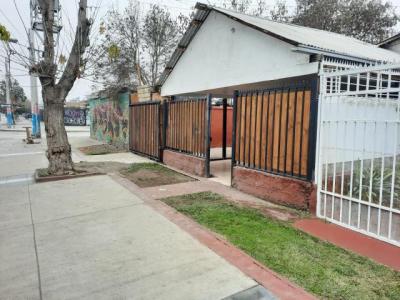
223 51
311 112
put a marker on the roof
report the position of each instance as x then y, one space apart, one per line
389 40
307 39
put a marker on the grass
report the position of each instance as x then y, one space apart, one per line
153 174
319 267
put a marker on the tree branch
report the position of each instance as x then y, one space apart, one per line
81 41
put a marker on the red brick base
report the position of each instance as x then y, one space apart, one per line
278 189
187 163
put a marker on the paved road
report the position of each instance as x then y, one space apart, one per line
90 238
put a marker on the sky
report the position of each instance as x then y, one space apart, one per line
15 15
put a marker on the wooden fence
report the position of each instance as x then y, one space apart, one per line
272 131
187 126
145 133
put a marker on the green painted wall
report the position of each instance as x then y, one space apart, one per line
109 120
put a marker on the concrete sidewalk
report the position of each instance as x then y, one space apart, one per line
90 238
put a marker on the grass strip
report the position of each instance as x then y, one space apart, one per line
319 267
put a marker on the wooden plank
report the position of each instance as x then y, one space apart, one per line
306 123
276 129
297 133
247 130
258 131
238 124
270 131
283 131
264 128
253 117
242 128
290 133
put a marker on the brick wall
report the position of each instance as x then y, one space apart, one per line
187 163
278 189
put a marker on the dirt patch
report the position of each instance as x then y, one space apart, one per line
87 168
152 174
102 149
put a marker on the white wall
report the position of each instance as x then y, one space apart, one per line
226 53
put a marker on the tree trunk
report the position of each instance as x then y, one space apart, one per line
58 148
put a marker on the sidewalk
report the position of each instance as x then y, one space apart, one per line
90 238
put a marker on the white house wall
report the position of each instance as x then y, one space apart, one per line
227 53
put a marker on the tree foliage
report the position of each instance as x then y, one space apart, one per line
367 20
160 34
137 45
4 33
17 92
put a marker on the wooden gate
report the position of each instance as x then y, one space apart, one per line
274 131
145 133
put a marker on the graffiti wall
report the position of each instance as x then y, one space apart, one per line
74 116
109 120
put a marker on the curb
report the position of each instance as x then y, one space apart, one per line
62 177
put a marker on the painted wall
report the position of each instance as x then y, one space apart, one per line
226 53
216 126
74 116
109 120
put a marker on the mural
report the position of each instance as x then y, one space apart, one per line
74 116
110 120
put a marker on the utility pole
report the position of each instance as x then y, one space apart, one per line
10 119
34 90
8 97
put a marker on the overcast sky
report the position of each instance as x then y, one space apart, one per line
15 21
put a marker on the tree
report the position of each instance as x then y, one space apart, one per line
242 6
160 36
17 93
116 60
368 20
54 92
280 12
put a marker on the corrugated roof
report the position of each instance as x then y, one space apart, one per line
304 37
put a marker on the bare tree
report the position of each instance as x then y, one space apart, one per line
160 35
280 12
116 59
54 92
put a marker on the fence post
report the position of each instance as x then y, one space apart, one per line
164 127
224 125
130 127
233 149
208 134
312 140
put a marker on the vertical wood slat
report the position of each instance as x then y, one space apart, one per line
186 126
272 130
145 132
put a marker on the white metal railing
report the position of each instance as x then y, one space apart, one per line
357 172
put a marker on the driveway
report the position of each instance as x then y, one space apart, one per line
91 238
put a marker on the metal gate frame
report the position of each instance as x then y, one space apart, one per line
357 151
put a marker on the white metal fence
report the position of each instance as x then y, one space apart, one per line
358 164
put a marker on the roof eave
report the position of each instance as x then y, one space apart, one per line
312 50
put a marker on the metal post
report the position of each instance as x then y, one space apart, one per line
233 151
313 125
208 134
8 97
224 125
34 91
